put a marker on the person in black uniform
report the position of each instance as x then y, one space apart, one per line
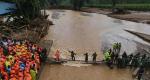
140 73
86 57
124 59
94 57
73 55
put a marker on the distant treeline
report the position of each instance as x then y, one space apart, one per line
95 1
119 1
126 4
104 1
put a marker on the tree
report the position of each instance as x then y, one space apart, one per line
113 3
77 4
27 9
25 13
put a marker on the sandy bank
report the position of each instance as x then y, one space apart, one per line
135 16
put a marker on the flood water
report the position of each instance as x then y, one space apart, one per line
89 32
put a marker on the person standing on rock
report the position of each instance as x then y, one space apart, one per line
94 57
86 57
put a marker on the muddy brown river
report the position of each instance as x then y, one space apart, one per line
89 32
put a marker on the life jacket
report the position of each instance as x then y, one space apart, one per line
7 63
12 71
114 45
13 78
20 76
16 67
107 56
2 67
1 51
57 55
10 49
37 59
33 74
5 75
27 77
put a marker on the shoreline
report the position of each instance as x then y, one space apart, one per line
134 16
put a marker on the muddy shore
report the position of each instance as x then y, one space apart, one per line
135 16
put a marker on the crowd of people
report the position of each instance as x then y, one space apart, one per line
20 59
137 61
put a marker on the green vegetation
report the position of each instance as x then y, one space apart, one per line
27 16
125 4
29 8
140 7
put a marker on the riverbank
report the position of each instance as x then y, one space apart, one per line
135 16
33 31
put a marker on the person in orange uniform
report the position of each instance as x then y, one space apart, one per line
27 76
57 55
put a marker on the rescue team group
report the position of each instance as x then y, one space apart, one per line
112 57
20 59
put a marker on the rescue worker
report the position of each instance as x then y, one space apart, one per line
116 58
124 59
130 58
147 63
135 62
110 52
119 62
86 57
112 57
7 63
33 73
73 55
94 57
57 55
140 72
8 69
119 47
106 56
143 57
107 59
115 47
1 75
